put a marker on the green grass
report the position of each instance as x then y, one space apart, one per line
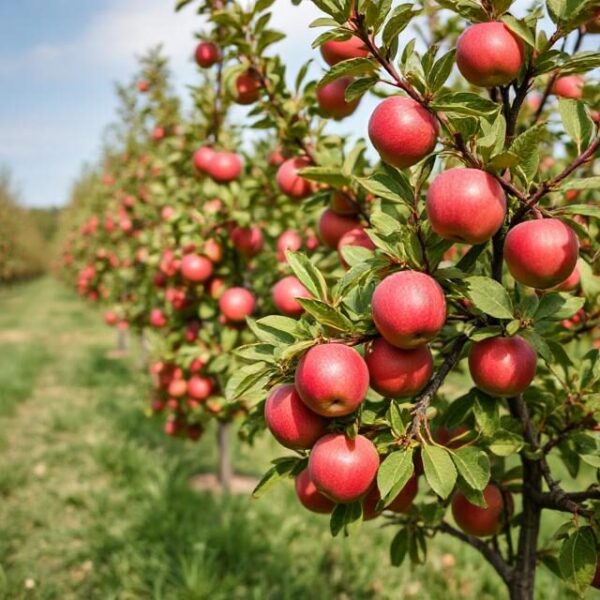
95 501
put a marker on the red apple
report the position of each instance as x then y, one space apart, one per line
248 240
225 167
409 309
336 51
569 86
290 182
207 54
571 282
398 373
355 237
332 379
401 503
343 204
343 468
177 388
502 366
466 205
477 521
213 250
288 240
402 131
248 86
333 227
111 318
200 387
196 268
489 54
285 292
332 100
157 318
310 497
203 158
143 86
541 253
290 421
236 304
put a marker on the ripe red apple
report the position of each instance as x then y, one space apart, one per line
332 227
309 495
248 86
157 318
290 421
236 304
216 287
288 240
290 182
477 521
158 133
203 158
200 387
213 250
571 282
541 253
402 131
409 309
343 204
111 318
143 86
569 86
336 51
247 240
207 54
332 100
332 379
401 503
276 157
398 373
355 237
225 167
196 268
489 54
466 205
177 388
343 468
285 292
502 366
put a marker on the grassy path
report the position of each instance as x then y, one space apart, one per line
94 501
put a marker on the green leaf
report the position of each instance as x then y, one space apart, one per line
505 443
308 274
399 547
578 558
331 175
326 315
487 414
464 103
585 183
576 120
440 471
350 68
398 21
490 297
473 466
587 210
526 148
359 87
441 71
274 329
556 307
388 183
283 468
343 516
520 28
394 473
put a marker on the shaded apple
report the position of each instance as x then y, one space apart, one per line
333 227
332 99
285 292
477 521
289 180
309 496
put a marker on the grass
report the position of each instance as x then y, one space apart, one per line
95 502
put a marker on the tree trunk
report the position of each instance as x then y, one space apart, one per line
121 340
224 467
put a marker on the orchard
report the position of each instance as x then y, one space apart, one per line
383 266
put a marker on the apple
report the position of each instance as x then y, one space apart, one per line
276 157
336 51
402 131
333 227
225 167
290 182
401 503
290 421
355 237
332 379
466 205
143 86
196 268
207 54
203 158
111 318
309 495
213 250
332 99
571 282
248 241
236 304
288 240
158 133
569 86
285 292
477 521
451 438
409 309
157 318
177 388
343 468
343 204
200 387
489 54
502 366
398 373
248 86
541 253
216 287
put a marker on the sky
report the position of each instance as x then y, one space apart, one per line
59 60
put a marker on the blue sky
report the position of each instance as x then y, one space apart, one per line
59 60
